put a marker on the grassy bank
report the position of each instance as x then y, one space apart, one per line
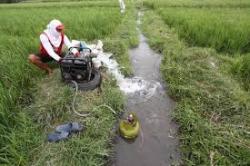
53 105
213 110
30 106
91 147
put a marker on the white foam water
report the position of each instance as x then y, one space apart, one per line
130 86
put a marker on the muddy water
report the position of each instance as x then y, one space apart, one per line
156 144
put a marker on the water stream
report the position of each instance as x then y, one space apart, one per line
156 144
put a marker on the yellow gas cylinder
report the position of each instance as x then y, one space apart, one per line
129 128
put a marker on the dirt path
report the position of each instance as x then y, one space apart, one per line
157 143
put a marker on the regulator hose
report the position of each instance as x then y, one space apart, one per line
74 100
95 108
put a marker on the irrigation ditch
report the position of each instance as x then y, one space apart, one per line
157 143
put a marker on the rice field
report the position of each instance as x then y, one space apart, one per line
226 30
223 28
202 43
22 137
197 3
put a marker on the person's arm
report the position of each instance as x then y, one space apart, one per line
68 44
46 44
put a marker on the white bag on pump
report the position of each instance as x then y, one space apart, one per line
97 63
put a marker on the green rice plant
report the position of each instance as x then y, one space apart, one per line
241 69
198 4
88 24
34 1
226 30
53 4
212 108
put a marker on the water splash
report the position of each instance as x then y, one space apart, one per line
130 86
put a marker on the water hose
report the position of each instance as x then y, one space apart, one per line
74 100
95 108
106 106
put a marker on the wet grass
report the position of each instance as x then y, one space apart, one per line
213 109
30 106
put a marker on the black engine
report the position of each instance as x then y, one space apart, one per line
77 69
80 70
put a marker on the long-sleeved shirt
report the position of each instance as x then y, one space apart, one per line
48 47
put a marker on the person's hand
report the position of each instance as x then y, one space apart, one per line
75 52
60 60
